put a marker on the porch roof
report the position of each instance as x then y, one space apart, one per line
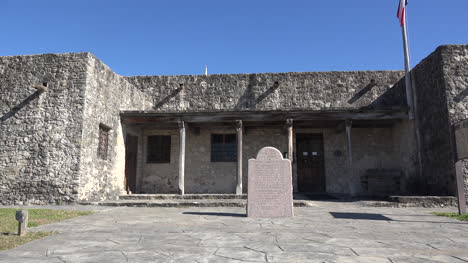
318 118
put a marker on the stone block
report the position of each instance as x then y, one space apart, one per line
269 185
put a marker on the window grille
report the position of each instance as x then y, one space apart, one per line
159 149
223 148
103 145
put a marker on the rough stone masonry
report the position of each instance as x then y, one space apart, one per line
49 140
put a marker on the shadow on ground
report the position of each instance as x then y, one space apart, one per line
361 216
214 214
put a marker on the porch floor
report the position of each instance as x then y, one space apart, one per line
187 200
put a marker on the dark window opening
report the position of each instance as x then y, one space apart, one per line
159 149
103 145
223 148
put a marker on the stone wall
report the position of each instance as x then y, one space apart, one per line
455 69
40 134
440 81
106 95
436 155
48 141
278 91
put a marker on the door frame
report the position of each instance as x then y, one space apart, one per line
135 172
298 136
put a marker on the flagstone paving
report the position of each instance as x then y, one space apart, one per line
326 232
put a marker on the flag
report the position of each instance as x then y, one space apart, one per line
401 11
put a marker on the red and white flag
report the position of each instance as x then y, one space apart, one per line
401 13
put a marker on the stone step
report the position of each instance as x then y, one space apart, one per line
183 203
180 197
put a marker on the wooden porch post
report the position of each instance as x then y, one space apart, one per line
349 140
348 125
181 157
289 126
239 128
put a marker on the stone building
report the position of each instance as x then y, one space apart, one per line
73 130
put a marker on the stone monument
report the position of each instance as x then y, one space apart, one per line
269 185
22 218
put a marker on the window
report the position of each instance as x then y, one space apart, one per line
223 148
103 144
159 149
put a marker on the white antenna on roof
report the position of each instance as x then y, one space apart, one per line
206 70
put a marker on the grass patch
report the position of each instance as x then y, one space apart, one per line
453 215
9 225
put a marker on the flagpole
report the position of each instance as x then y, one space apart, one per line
411 96
408 82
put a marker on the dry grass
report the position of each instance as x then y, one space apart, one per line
9 226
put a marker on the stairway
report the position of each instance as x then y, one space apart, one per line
187 200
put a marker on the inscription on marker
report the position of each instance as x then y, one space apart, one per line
461 138
269 185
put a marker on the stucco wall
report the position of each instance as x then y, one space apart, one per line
202 175
40 135
370 151
106 95
161 178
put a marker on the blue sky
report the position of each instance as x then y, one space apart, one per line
151 37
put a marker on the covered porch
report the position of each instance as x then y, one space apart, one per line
207 152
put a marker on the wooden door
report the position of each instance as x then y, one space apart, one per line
310 163
131 150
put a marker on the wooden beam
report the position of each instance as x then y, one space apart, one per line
181 157
348 125
337 125
239 157
259 116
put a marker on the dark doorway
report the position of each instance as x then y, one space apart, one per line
131 150
310 163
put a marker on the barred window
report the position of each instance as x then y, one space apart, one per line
103 145
223 148
159 149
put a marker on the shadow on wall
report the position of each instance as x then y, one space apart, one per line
268 92
461 96
168 98
246 100
363 91
18 107
392 98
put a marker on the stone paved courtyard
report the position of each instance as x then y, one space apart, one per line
326 232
